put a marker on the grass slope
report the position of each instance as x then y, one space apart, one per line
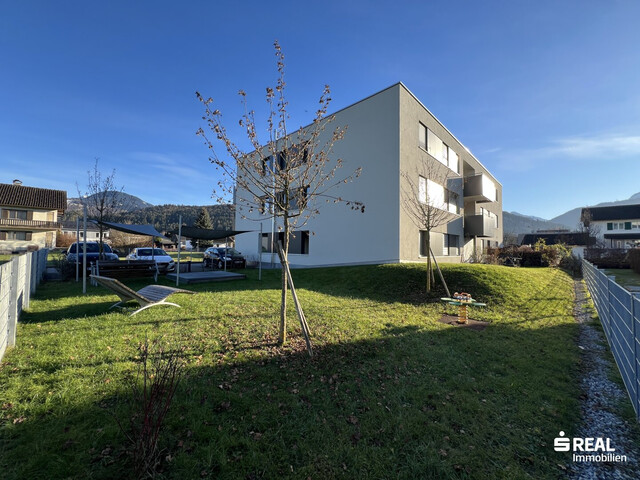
391 393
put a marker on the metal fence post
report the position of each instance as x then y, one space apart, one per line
13 302
635 353
27 279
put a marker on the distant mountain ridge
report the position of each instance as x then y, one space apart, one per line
126 202
163 217
517 223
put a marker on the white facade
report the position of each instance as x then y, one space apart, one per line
388 133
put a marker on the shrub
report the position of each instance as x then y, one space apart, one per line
607 257
633 257
572 264
152 391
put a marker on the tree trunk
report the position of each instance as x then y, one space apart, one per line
282 337
428 261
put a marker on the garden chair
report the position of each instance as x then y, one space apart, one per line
147 297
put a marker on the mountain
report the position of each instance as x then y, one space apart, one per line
166 217
569 219
517 223
126 202
572 217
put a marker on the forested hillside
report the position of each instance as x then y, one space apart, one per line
165 217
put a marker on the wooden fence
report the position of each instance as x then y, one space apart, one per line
619 312
18 281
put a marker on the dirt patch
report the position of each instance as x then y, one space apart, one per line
471 324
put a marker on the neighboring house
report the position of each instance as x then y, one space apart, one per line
93 231
388 133
616 226
577 241
29 216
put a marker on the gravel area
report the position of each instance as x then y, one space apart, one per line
598 402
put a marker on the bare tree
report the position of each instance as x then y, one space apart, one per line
102 198
423 195
589 229
288 177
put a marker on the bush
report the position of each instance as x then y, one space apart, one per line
541 255
607 257
633 256
572 264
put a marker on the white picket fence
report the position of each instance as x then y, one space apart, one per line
18 281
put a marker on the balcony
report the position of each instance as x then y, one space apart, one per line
480 188
479 226
18 224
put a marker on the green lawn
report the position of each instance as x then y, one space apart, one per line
187 256
390 393
625 276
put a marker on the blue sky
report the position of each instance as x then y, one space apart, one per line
545 94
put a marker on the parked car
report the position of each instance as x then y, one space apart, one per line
164 262
76 250
215 256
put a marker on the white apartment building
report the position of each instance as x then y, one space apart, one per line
390 134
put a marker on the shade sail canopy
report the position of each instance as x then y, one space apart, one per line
206 234
149 230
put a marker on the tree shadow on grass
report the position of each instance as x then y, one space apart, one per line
409 402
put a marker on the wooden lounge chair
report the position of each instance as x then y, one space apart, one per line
147 297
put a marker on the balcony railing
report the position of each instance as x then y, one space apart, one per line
479 226
17 223
480 188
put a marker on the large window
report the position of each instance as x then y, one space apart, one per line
422 136
451 199
422 189
435 195
15 214
22 236
298 242
439 150
450 245
434 146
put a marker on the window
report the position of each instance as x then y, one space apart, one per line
435 195
434 145
450 245
296 199
422 136
267 165
15 214
422 190
293 155
298 242
444 155
454 163
19 236
451 199
615 226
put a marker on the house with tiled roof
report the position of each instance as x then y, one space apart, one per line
29 216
